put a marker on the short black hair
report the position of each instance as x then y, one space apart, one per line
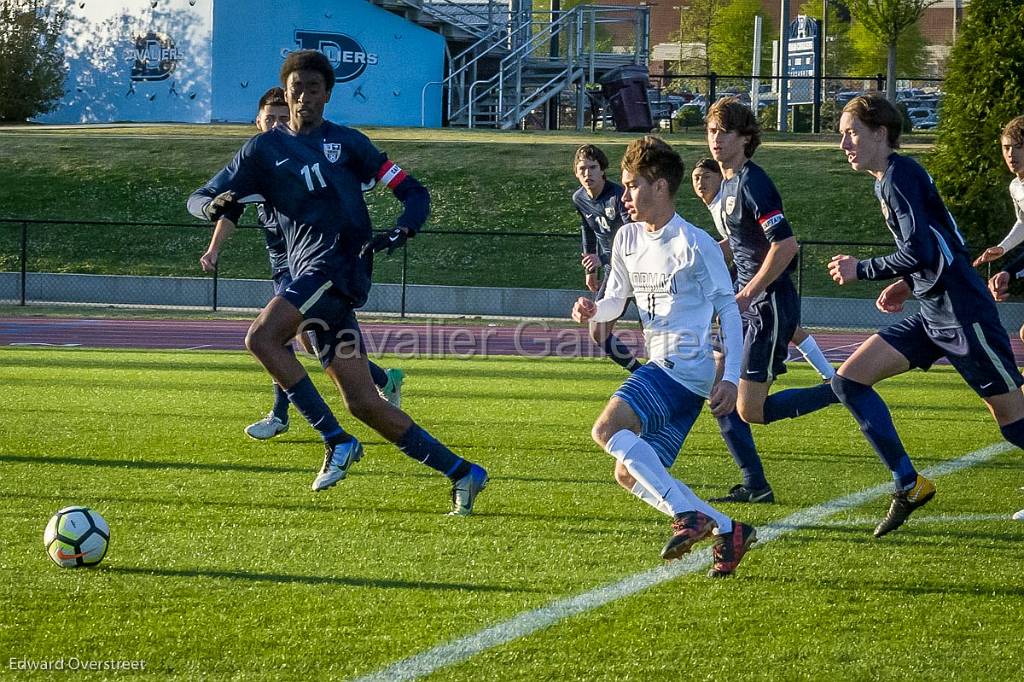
274 97
708 164
308 60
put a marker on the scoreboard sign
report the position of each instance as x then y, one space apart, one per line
804 59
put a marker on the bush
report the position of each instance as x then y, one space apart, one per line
689 117
983 91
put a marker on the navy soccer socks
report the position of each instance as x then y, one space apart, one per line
307 400
620 353
875 421
794 402
426 449
740 443
1014 433
377 373
281 403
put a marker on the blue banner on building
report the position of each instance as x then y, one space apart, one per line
210 60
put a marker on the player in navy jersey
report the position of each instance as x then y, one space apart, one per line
679 278
707 185
763 250
310 176
1011 142
957 319
271 111
599 204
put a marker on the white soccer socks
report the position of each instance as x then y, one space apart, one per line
657 487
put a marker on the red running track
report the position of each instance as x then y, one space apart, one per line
527 339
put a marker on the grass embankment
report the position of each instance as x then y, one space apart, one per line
479 181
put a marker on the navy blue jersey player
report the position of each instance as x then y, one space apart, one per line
957 319
763 248
272 110
598 202
311 175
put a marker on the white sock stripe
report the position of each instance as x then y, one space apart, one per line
529 622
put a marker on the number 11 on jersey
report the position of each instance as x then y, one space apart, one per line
308 172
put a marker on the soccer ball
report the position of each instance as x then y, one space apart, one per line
76 536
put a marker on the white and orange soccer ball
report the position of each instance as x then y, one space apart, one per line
76 536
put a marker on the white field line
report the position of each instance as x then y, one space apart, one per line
528 622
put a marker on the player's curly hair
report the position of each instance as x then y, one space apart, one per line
653 159
875 111
590 152
708 164
1014 130
734 116
308 60
274 97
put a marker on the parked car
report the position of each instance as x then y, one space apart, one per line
922 118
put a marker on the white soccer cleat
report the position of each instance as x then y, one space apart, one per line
266 428
337 461
465 490
1019 516
392 391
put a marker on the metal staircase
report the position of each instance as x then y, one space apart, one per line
509 64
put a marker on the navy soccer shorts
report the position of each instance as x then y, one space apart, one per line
666 408
329 321
768 326
281 279
979 351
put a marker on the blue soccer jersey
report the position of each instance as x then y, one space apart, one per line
751 214
931 253
277 249
312 187
600 218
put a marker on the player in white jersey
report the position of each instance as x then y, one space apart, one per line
678 277
1011 141
707 183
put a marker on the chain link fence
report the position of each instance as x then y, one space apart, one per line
440 272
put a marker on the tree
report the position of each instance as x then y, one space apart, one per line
839 53
32 68
698 22
731 50
889 19
982 92
871 54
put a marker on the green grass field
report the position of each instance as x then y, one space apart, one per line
479 181
224 566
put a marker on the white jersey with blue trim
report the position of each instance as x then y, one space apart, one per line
931 253
679 279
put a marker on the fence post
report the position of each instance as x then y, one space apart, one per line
216 269
880 82
405 271
712 88
24 259
800 273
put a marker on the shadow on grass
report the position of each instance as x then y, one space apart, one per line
287 579
150 464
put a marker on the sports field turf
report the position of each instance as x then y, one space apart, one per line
223 565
